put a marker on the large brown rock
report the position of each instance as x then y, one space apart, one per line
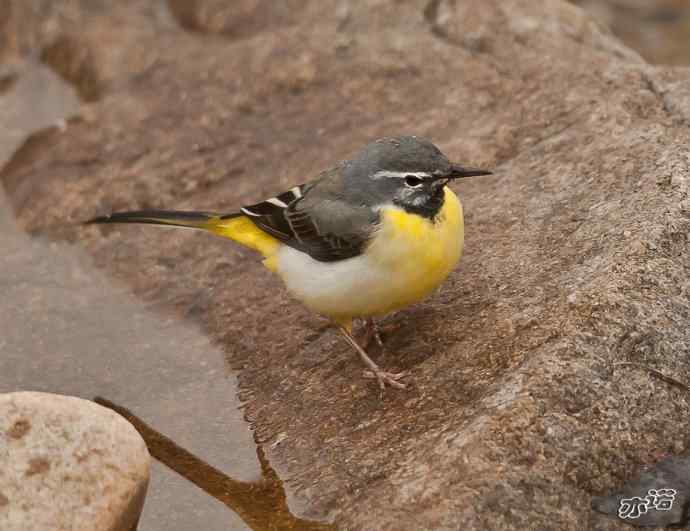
67 463
576 252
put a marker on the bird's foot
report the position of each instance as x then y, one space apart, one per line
384 378
372 331
387 378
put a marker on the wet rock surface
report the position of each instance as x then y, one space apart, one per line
67 463
576 251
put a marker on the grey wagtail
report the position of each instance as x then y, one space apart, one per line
370 236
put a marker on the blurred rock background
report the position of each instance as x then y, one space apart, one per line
658 29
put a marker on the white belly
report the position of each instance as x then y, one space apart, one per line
354 287
407 259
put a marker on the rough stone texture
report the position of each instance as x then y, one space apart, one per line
576 251
67 463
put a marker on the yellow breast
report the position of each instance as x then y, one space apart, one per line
417 252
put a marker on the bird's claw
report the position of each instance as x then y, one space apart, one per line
387 378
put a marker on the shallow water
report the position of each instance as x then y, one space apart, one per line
65 327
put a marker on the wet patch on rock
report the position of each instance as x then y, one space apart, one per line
261 504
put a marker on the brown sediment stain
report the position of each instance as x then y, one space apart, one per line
20 428
37 465
4 500
261 504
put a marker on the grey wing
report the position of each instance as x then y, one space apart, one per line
327 230
330 231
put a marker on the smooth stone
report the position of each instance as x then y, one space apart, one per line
68 463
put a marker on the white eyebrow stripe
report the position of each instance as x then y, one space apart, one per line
401 174
296 192
277 202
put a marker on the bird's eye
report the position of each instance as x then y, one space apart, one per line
413 181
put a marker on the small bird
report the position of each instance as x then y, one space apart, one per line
370 236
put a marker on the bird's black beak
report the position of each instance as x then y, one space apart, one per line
457 172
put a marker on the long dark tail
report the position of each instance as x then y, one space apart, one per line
235 226
175 218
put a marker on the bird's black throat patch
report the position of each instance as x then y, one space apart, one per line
428 206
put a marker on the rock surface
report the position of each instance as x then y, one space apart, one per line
576 252
67 463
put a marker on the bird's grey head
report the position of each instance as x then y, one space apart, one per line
407 171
